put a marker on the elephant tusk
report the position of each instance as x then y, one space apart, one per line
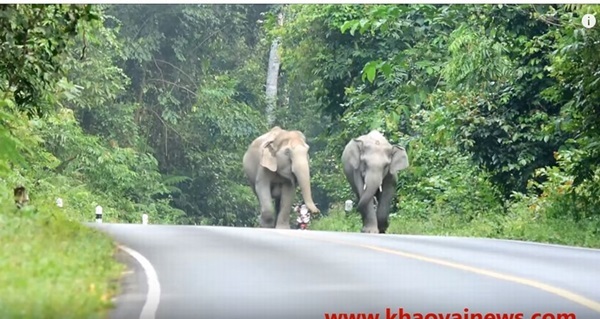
380 187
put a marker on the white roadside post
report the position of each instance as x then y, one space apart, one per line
59 202
348 206
99 214
144 219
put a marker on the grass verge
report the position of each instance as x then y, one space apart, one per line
52 267
518 226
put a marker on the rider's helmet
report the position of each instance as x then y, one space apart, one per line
303 209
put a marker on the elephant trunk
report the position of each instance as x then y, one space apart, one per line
301 170
371 186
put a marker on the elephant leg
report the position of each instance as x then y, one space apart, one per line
276 194
267 211
287 196
385 202
277 202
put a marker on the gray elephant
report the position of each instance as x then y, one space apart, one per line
371 165
275 163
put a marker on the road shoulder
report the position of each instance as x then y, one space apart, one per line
133 289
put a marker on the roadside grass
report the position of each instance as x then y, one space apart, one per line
52 267
521 225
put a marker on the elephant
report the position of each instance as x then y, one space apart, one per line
371 165
274 164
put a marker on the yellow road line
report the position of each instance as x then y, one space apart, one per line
591 304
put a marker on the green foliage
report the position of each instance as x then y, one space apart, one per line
521 225
215 143
197 75
51 266
490 92
149 109
46 252
34 39
338 220
441 176
11 145
559 196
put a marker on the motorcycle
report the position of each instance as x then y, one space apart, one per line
303 219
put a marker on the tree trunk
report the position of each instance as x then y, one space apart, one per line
272 77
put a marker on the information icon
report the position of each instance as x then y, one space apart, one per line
588 21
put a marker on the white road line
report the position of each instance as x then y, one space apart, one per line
153 294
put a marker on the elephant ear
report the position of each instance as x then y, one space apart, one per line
268 158
399 160
354 160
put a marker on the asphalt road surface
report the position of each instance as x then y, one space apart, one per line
228 273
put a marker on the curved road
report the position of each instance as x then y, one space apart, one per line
226 273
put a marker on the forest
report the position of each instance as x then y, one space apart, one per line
150 108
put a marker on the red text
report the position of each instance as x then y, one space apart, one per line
401 314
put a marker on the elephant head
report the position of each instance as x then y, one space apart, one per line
286 153
375 159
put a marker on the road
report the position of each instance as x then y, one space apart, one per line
226 273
